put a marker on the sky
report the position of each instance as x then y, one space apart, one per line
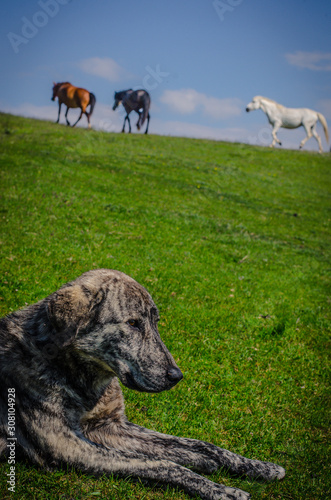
202 62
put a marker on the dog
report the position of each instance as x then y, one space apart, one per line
61 360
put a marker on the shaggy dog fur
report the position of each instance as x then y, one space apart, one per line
60 361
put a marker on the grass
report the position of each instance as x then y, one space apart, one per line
233 243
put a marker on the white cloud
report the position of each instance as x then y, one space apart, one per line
187 101
105 68
32 111
316 61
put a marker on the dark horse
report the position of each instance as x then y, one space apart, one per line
134 100
73 97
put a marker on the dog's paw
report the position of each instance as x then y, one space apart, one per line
225 493
234 494
272 472
279 473
267 471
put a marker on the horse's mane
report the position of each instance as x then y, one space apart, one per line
270 100
265 98
59 84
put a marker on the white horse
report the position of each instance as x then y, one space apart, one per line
279 116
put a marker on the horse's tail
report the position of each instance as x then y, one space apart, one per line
325 126
147 103
92 103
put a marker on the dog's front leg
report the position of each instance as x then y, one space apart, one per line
64 446
200 455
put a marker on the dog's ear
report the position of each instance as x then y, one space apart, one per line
71 309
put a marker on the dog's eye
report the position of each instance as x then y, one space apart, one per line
134 323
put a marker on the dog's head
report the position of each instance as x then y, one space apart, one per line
107 317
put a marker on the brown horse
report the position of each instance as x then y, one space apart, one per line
73 97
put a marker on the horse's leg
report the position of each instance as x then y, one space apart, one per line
317 137
66 117
81 114
84 112
274 132
58 116
138 122
148 117
123 129
309 135
129 124
88 118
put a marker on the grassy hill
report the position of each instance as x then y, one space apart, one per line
233 243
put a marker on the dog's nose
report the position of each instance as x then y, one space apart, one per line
174 374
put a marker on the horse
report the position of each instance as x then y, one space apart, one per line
134 100
279 116
73 97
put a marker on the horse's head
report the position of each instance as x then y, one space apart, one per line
118 98
254 104
56 87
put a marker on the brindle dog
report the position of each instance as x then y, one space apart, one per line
62 359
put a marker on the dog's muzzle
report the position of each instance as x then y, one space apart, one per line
174 375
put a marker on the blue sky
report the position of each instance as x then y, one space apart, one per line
201 60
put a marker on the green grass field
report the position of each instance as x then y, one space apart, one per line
233 243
